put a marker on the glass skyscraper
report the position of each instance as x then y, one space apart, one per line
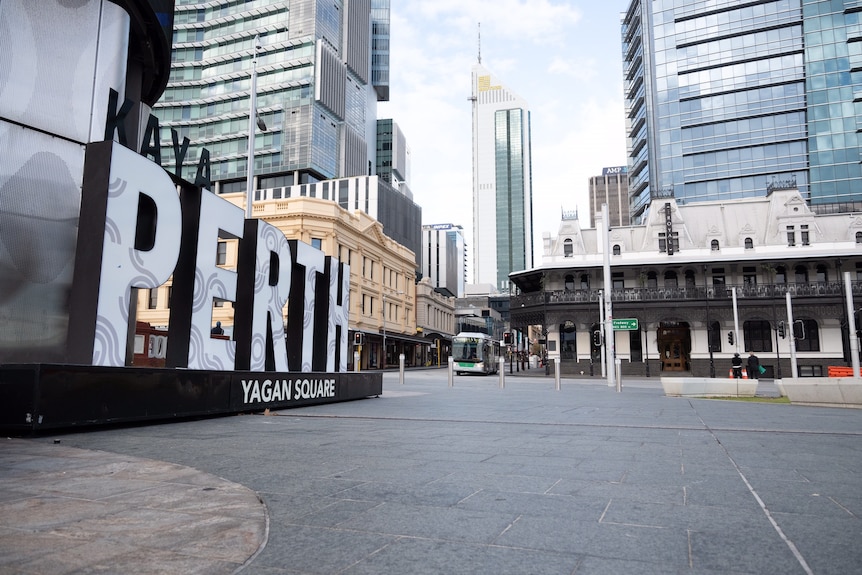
729 98
315 89
502 182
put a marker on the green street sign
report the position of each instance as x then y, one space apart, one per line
627 324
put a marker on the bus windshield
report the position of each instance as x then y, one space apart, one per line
467 349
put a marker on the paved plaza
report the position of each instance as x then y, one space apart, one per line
435 479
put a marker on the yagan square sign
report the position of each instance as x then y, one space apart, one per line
88 216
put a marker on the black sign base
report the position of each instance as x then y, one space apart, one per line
36 397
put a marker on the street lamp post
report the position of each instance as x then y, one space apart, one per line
708 325
252 121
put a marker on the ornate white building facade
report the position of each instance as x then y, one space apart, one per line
677 275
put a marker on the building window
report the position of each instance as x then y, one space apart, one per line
780 275
801 275
810 334
822 274
617 248
859 237
652 280
585 281
670 279
568 341
749 276
714 245
568 251
803 235
791 236
316 243
618 280
221 254
170 293
570 282
757 335
689 279
714 336
153 299
662 241
718 277
749 243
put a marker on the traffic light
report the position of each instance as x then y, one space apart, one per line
799 329
597 338
507 338
781 331
730 337
358 338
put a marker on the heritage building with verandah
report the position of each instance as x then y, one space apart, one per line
677 274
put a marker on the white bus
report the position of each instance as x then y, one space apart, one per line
475 353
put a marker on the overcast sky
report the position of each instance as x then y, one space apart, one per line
563 57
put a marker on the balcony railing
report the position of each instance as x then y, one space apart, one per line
688 293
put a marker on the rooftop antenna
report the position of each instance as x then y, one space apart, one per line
480 42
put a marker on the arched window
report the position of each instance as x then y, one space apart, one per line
714 245
570 282
757 335
670 280
801 275
690 282
810 336
617 249
585 281
822 275
568 250
749 243
652 280
859 237
568 340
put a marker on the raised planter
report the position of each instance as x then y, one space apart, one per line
708 387
824 391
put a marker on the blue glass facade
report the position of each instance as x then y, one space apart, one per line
510 140
726 97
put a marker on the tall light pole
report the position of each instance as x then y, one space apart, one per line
252 121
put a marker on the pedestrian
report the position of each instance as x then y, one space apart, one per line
217 330
736 363
753 366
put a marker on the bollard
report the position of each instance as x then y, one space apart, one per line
356 361
557 375
618 368
450 369
401 369
501 362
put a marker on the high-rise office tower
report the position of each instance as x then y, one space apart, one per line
728 99
443 258
611 188
393 156
315 88
502 183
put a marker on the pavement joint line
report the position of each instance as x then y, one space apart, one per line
792 546
575 424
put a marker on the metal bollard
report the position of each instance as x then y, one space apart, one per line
501 362
356 361
401 369
557 375
450 369
618 369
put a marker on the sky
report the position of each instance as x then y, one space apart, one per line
563 57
